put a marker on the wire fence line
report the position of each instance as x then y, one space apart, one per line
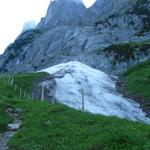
10 80
24 94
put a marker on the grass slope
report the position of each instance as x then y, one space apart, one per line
138 79
57 127
7 94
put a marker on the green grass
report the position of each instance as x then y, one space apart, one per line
138 79
7 94
26 81
5 91
57 127
127 51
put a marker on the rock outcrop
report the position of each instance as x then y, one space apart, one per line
64 13
95 36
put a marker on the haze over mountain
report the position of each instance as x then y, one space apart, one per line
14 14
29 25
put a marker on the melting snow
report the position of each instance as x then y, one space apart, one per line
100 94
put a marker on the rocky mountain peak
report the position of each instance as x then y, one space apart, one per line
71 1
64 12
105 8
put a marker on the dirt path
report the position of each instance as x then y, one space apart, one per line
4 138
12 128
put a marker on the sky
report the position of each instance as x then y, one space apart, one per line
14 13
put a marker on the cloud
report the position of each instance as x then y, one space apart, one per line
29 25
14 13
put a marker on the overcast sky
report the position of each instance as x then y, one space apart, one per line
14 13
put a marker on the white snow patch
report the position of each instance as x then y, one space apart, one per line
100 94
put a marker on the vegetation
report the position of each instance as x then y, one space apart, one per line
138 79
126 51
142 10
26 81
57 127
8 95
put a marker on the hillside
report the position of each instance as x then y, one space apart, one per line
79 80
138 79
57 127
137 84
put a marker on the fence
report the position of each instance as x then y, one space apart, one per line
82 97
11 82
24 94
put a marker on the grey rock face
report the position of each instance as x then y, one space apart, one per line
105 8
64 12
14 126
61 37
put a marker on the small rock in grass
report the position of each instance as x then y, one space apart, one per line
16 115
9 109
18 110
48 122
14 126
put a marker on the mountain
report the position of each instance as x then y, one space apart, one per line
73 82
105 8
111 35
64 12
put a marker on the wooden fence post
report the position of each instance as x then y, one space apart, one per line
82 100
11 81
20 92
42 93
82 94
